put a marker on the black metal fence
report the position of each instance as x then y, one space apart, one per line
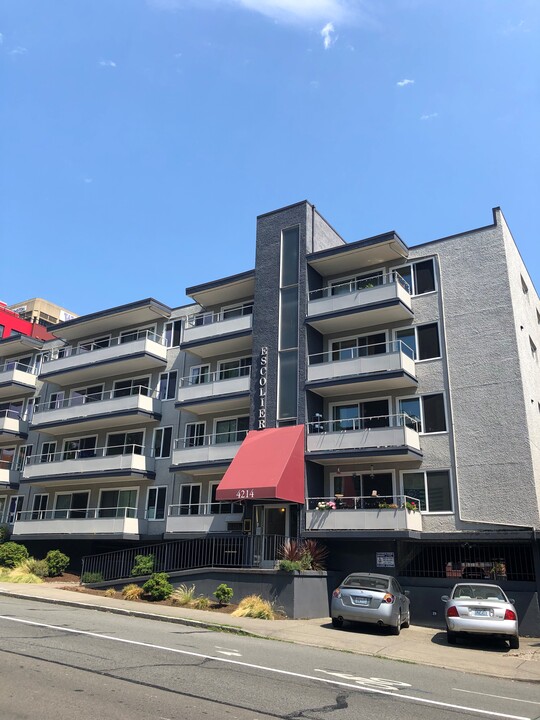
241 551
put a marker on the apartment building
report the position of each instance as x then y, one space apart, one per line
12 324
42 312
382 398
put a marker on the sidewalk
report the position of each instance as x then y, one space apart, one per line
419 645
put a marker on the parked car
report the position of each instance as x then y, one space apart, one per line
480 609
371 598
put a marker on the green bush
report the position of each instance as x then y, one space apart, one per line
291 565
91 577
38 567
12 554
4 533
223 594
143 565
57 562
158 587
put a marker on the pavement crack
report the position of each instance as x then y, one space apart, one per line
313 713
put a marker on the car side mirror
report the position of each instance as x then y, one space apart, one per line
406 592
445 598
511 601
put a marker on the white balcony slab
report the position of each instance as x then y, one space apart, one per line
108 413
77 526
193 524
220 337
383 519
220 395
9 477
364 440
16 383
98 468
12 428
375 306
130 357
205 454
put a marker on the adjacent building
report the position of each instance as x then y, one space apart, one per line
42 312
382 398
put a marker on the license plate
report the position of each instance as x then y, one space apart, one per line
361 600
482 613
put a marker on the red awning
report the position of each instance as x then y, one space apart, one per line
268 466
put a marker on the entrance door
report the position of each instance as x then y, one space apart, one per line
271 523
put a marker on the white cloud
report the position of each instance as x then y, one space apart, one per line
18 51
107 63
429 117
327 32
405 81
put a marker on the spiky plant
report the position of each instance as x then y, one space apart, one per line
316 552
183 595
290 550
110 592
201 603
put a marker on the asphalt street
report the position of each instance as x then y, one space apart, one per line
60 662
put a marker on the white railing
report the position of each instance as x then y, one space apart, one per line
8 413
85 453
363 423
215 376
374 349
209 508
78 514
234 436
363 502
209 318
95 397
357 285
86 347
7 465
14 365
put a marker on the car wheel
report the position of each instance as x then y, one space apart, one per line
514 642
451 637
407 622
396 629
337 622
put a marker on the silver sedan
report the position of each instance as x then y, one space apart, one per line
371 598
480 609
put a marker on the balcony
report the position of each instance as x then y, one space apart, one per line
217 333
362 513
12 427
372 368
202 518
373 439
16 380
117 408
131 354
120 522
116 463
196 455
357 304
221 391
8 475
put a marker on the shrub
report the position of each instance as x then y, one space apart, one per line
37 567
306 555
254 606
290 565
158 587
201 603
223 594
143 565
57 562
4 533
110 592
291 550
317 554
183 595
132 591
91 577
12 554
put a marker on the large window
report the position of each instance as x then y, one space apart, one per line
48 452
173 332
194 434
431 488
419 275
190 498
426 412
363 490
239 367
39 507
94 393
155 503
237 310
167 385
24 453
79 448
360 415
288 326
118 503
162 442
126 443
7 455
420 342
72 505
89 345
231 430
357 282
12 409
199 375
374 344
15 508
220 508
132 386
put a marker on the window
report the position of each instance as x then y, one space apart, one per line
90 345
3 503
126 443
231 430
420 342
287 389
239 367
39 507
162 442
533 348
426 413
56 401
48 452
199 375
31 407
217 507
190 498
357 489
24 453
419 275
431 488
155 503
140 334
7 455
237 310
71 505
194 434
173 332
344 286
167 385
524 286
359 346
12 409
131 386
15 508
86 395
360 415
118 503
77 448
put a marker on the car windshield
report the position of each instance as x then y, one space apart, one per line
366 582
479 592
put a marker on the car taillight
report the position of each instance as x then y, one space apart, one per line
509 615
388 598
452 612
336 593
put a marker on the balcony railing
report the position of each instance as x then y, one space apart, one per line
353 286
216 376
105 521
209 318
371 512
363 423
225 438
210 508
85 453
84 348
73 514
365 351
12 414
94 398
9 366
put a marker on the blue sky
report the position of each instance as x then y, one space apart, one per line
140 139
